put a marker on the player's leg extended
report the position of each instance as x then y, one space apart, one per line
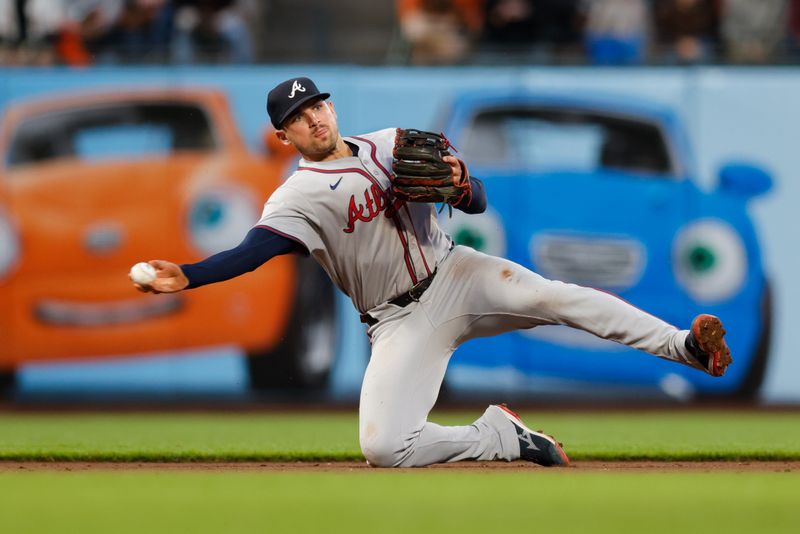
401 384
506 296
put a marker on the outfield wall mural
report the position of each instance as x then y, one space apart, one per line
672 188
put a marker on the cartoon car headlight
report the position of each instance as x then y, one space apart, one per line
710 261
482 232
9 245
218 218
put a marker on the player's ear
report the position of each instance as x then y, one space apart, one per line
330 105
281 135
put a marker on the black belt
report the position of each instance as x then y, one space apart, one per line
412 295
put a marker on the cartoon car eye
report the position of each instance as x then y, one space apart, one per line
709 260
482 232
219 218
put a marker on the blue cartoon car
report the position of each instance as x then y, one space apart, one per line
602 192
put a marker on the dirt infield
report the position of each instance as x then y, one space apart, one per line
343 467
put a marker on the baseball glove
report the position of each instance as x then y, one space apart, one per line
420 174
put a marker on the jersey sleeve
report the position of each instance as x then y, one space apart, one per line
258 247
289 214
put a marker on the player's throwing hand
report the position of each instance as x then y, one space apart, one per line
169 278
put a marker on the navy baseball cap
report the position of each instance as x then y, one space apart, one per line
288 96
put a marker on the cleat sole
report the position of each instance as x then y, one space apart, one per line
710 336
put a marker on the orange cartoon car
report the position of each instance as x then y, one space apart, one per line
91 184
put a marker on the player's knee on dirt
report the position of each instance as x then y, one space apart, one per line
382 448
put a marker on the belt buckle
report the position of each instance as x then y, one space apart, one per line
418 290
413 293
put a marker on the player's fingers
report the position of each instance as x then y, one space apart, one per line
164 268
160 264
144 288
455 168
140 287
169 278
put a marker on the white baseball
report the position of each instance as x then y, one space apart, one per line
143 273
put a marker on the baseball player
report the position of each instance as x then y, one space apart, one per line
419 295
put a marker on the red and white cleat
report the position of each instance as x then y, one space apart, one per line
706 342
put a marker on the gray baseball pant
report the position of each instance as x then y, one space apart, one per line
475 295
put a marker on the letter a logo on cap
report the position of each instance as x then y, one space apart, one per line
296 87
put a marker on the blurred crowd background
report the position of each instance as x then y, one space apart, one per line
402 32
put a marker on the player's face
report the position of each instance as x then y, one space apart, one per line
312 130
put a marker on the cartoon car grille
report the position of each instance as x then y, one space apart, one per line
611 263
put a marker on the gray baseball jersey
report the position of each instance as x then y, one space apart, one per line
373 247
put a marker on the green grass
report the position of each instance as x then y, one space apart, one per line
377 501
329 437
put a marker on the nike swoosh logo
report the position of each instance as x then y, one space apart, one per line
334 186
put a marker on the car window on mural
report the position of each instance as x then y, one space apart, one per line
558 139
111 131
108 142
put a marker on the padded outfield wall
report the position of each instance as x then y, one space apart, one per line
730 113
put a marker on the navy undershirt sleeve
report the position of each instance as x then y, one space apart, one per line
258 246
475 203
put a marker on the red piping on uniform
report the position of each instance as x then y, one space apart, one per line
373 152
406 251
284 234
373 155
424 261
